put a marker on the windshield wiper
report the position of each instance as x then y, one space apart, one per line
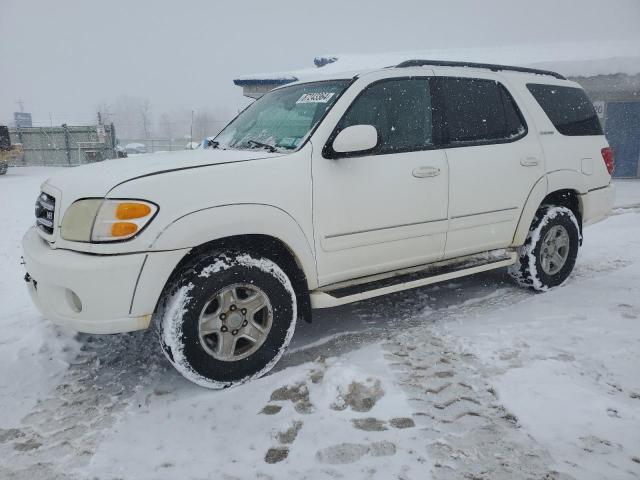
271 148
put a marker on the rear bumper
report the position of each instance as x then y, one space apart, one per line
597 204
94 293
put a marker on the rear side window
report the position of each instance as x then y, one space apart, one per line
478 111
568 108
400 109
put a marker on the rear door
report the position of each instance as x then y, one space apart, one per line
384 209
493 161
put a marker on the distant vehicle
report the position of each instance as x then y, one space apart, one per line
121 152
319 194
135 148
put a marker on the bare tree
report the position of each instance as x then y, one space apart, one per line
166 125
104 113
131 116
144 110
201 125
133 119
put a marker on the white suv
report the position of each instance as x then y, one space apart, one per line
319 194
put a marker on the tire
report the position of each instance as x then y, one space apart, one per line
4 166
211 323
538 267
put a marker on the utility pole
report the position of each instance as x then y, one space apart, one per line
191 134
67 142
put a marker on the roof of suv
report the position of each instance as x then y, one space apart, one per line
291 80
321 76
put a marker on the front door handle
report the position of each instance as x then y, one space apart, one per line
529 162
424 172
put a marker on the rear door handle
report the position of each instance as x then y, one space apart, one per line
424 172
529 162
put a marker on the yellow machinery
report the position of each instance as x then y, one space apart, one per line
8 152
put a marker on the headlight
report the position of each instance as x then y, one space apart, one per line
99 220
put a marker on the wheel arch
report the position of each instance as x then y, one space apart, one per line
213 224
266 246
257 228
568 198
549 191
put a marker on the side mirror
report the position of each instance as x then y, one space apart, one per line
356 138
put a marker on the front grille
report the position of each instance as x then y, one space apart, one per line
45 208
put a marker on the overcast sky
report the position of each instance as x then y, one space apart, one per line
65 57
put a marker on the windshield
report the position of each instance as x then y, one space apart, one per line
282 119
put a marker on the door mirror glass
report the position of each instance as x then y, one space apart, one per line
356 138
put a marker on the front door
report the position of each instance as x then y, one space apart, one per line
386 209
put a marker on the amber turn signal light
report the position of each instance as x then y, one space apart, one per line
123 229
129 210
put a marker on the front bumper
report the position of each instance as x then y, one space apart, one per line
94 293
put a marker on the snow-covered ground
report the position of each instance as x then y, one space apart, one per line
468 379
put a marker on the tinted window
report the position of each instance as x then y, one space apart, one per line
399 109
569 109
478 110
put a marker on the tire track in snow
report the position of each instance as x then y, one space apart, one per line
59 436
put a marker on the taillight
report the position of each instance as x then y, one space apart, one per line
607 156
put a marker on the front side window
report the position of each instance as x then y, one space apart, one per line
281 120
568 108
399 109
478 111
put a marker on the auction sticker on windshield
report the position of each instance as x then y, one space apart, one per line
317 97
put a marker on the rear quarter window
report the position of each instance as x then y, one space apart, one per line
568 108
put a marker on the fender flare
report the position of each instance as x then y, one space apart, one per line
213 223
566 180
547 184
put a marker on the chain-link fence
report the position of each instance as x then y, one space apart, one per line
65 145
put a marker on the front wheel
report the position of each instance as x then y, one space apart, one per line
549 253
226 318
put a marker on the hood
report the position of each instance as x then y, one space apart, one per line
97 179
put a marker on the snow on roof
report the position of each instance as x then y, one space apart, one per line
569 59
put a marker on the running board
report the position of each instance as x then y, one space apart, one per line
377 285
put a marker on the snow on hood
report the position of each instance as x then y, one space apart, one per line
97 179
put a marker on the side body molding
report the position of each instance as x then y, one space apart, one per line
206 225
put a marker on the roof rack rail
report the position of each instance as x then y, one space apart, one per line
489 66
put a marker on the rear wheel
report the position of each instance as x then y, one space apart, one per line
227 318
549 253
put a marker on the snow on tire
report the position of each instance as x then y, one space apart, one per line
226 318
549 253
